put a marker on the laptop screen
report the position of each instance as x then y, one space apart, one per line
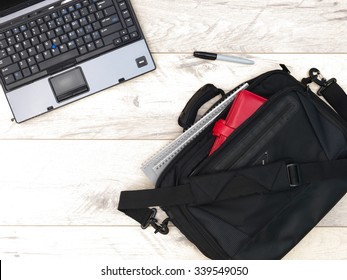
8 7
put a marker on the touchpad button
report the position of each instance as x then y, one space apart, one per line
69 84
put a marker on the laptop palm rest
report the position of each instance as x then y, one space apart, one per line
69 84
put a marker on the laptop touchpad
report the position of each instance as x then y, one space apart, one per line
69 84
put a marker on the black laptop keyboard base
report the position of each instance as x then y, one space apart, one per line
63 37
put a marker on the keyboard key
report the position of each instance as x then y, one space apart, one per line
68 18
63 48
99 15
111 29
43 38
31 61
15 30
48 45
5 62
32 24
75 25
125 38
35 31
99 43
87 38
35 41
10 50
60 21
18 47
64 39
72 45
19 37
55 15
83 21
83 50
91 18
104 4
11 41
125 14
8 33
92 9
51 24
24 54
129 22
79 42
39 21
44 28
3 54
110 38
84 12
55 52
85 3
10 69
78 6
15 57
71 9
109 20
56 42
50 34
89 28
40 48
26 44
80 32
91 46
18 75
122 6
109 11
9 79
3 44
59 31
59 59
47 18
134 35
26 72
32 51
23 64
72 35
96 25
39 58
47 54
23 28
76 15
27 34
64 12
2 36
34 69
123 32
96 35
67 28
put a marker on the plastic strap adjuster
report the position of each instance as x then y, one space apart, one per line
294 175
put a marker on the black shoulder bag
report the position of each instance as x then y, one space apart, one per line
273 179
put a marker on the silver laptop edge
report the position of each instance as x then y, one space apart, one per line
100 73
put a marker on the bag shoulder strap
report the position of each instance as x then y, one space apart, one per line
199 190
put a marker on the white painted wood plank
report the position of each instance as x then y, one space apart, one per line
129 243
244 26
148 107
75 182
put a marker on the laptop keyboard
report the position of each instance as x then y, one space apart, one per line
64 37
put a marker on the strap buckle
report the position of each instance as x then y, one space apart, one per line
152 221
294 175
317 77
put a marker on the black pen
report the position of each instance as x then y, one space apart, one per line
214 56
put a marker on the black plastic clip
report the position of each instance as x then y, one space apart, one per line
152 221
318 78
294 175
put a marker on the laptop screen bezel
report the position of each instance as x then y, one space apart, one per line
18 7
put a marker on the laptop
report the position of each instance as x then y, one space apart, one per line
53 52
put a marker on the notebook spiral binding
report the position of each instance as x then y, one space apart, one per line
158 162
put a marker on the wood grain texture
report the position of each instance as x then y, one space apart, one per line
76 182
148 107
114 242
244 26
61 173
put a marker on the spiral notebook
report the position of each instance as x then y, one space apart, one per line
157 163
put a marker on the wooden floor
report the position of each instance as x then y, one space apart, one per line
61 173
